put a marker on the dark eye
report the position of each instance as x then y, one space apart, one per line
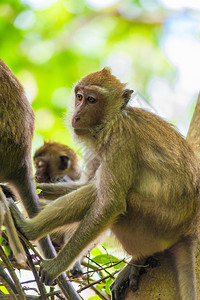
91 99
79 97
64 162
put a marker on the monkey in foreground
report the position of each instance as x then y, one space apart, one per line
17 128
146 189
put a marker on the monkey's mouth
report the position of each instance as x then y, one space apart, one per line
79 131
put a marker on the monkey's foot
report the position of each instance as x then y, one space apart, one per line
129 277
76 270
153 262
47 273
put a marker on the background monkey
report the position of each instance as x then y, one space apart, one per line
53 190
55 162
146 188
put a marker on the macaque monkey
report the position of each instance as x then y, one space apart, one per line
16 132
55 162
146 188
57 171
53 190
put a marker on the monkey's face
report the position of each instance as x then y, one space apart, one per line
42 170
89 104
52 169
99 97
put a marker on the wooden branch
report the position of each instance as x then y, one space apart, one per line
8 265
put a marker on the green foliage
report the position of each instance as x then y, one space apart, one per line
49 47
3 290
52 47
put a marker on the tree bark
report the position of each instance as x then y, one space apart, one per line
159 283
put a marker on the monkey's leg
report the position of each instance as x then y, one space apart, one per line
65 210
184 257
25 185
129 277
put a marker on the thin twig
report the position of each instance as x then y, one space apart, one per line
12 273
98 281
99 265
98 293
12 294
7 278
31 264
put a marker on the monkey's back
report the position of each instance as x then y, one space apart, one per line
161 148
167 169
16 122
163 202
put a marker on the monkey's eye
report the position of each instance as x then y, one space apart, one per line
79 97
64 162
91 99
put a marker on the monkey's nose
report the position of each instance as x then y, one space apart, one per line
75 120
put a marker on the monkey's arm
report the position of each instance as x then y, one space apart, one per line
65 210
97 219
109 203
52 191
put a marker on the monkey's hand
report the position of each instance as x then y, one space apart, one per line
128 278
47 273
20 221
52 191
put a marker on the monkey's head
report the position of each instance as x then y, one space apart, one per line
98 97
56 162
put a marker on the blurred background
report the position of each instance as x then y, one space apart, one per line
154 45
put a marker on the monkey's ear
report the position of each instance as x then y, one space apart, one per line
126 96
106 71
64 162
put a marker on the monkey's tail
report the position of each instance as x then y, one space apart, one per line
13 238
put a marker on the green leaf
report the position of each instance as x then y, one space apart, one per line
4 290
94 298
107 287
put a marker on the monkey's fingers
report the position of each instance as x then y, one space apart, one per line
118 289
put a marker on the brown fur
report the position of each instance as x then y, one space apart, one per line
49 156
146 188
17 128
49 168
